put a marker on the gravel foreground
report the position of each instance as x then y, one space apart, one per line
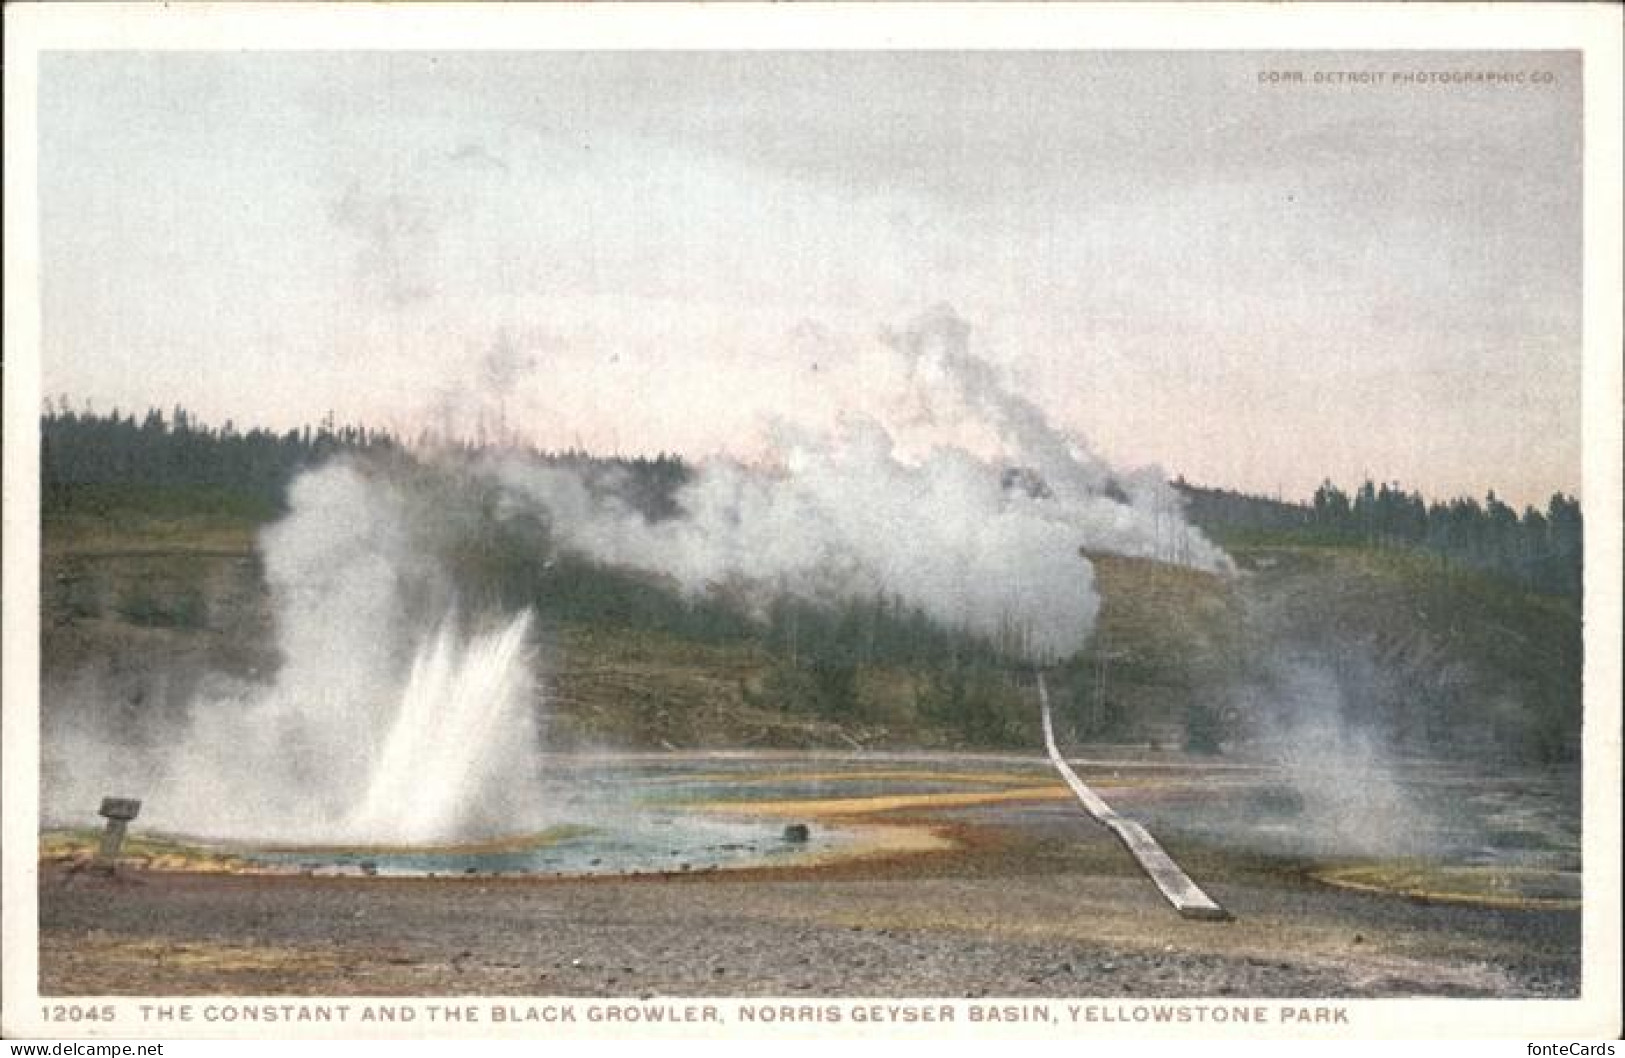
1053 912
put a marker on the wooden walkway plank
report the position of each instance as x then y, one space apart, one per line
1175 885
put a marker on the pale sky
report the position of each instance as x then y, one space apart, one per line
1255 285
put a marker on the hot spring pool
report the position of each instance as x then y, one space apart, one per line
655 843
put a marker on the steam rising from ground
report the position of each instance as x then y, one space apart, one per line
1341 766
985 542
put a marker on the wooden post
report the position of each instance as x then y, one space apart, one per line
118 811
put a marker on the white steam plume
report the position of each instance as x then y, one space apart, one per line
989 544
1353 799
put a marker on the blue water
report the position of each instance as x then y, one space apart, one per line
644 843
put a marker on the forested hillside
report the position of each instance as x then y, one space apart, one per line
1540 548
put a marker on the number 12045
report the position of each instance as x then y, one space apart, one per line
77 1012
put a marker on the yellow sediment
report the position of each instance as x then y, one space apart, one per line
849 806
737 779
866 841
978 778
161 854
1494 887
80 847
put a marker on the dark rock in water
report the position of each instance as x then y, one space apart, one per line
797 833
369 867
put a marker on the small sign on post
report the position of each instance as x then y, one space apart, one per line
118 811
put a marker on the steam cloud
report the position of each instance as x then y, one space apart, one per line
1353 799
989 544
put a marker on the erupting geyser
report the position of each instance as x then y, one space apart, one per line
448 766
390 720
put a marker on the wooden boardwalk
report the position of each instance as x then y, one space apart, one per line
1185 895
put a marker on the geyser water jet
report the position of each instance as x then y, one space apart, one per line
449 763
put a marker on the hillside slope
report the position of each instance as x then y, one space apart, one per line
1426 655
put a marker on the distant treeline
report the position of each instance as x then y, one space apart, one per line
92 463
1542 549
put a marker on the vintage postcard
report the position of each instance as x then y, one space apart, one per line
565 521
